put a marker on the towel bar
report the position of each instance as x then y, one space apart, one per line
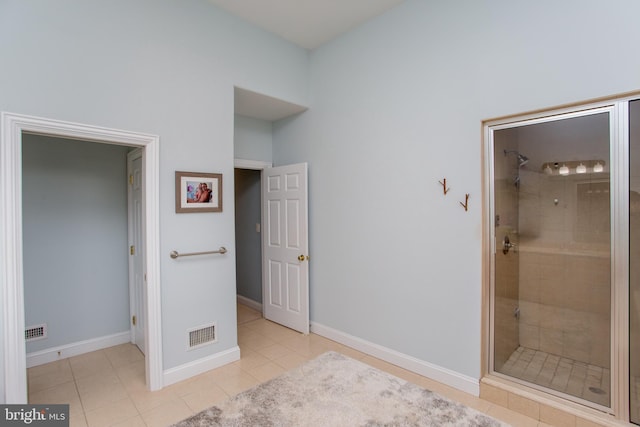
175 254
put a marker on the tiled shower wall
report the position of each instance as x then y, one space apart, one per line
564 266
506 301
506 327
563 312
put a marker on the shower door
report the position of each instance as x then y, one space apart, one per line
551 288
634 261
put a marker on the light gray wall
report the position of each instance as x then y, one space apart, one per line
248 240
74 239
253 139
396 106
167 68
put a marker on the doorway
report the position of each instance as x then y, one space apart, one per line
284 260
255 114
248 223
559 254
14 126
74 214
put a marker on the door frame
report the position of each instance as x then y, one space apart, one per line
12 284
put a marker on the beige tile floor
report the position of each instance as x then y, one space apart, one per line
106 387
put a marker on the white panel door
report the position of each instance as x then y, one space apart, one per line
285 246
136 250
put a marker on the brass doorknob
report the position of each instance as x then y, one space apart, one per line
302 257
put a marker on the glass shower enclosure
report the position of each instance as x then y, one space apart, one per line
563 228
551 292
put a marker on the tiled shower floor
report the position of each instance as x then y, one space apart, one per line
558 373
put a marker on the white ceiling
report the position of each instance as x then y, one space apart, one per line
307 23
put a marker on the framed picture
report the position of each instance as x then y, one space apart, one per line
198 192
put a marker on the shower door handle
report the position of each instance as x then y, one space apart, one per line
506 245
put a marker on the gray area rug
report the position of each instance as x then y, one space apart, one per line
335 390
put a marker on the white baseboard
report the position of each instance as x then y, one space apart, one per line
77 348
188 370
438 373
249 303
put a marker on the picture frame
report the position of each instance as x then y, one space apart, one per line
198 192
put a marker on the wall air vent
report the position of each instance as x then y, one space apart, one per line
37 332
200 336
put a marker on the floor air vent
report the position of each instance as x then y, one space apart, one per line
37 332
202 336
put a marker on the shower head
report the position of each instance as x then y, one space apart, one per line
522 159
